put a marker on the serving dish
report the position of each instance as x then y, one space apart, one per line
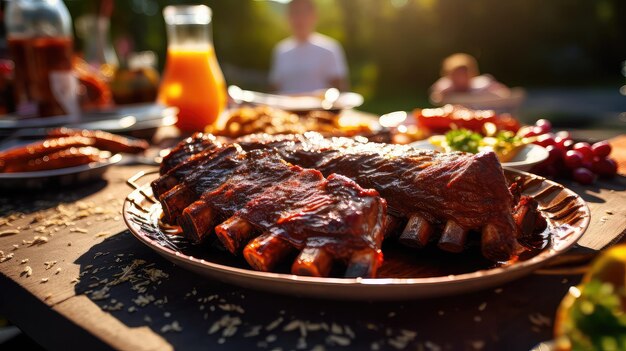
331 100
524 160
57 177
404 275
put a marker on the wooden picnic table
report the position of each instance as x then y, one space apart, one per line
92 285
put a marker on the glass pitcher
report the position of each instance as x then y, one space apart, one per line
192 80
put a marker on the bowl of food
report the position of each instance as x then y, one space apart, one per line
512 151
241 121
319 100
590 316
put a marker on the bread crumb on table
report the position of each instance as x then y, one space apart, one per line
28 271
4 258
9 232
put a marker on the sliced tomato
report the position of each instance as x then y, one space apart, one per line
440 120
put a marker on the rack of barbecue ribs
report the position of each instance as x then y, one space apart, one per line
66 148
431 196
259 205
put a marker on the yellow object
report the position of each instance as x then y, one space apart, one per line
592 316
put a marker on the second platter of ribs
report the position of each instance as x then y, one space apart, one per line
431 196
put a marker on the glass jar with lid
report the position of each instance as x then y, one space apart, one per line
40 41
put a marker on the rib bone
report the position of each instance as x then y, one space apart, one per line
417 232
312 261
453 237
264 252
234 233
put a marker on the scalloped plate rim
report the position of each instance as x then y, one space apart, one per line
367 288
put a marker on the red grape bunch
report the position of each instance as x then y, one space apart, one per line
580 161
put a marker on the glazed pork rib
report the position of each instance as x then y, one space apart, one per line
184 184
270 208
187 148
456 192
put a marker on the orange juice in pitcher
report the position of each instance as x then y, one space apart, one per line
192 80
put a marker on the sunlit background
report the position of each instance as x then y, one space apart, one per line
568 54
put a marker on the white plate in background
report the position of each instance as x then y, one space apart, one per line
525 159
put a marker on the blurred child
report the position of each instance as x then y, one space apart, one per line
460 76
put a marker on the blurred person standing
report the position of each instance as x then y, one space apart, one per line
307 60
460 77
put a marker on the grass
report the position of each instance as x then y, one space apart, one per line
403 101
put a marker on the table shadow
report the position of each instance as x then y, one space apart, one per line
514 317
24 201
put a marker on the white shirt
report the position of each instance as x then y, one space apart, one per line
299 67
